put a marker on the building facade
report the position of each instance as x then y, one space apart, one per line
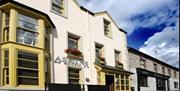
58 41
151 74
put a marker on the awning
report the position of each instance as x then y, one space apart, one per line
114 70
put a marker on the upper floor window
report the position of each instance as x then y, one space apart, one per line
163 70
117 56
107 28
155 67
27 30
58 6
169 72
73 41
99 53
142 63
5 31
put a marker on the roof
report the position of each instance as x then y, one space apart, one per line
130 49
2 2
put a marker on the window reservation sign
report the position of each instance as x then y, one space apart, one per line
76 63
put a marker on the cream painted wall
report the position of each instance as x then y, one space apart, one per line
90 29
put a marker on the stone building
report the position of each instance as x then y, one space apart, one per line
151 74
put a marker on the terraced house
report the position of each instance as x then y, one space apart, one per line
151 74
58 41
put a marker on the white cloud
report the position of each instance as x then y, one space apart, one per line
122 10
165 44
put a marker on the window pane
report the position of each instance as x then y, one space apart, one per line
27 22
26 37
29 73
29 56
72 43
26 64
29 61
73 75
27 81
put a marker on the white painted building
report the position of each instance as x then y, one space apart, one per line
95 46
151 74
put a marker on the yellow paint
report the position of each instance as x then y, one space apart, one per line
41 69
14 47
2 25
41 36
103 78
12 25
12 66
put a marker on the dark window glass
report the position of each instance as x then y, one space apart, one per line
58 6
143 81
72 42
73 75
175 84
27 68
27 81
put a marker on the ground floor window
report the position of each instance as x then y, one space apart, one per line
5 65
122 82
73 75
175 84
143 81
27 68
161 85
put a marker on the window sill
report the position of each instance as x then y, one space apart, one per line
108 36
62 15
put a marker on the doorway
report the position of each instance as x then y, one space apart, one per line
110 82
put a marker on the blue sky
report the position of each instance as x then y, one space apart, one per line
152 25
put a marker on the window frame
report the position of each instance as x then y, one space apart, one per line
73 38
70 78
145 79
107 28
64 7
26 30
26 68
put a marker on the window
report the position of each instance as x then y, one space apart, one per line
72 42
160 83
73 75
5 67
122 82
107 29
163 70
155 67
143 81
175 74
175 84
6 28
58 6
98 51
99 54
27 30
47 39
47 70
169 72
142 63
117 56
27 68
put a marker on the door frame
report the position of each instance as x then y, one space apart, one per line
111 74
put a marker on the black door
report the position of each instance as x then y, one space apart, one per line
110 82
161 85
